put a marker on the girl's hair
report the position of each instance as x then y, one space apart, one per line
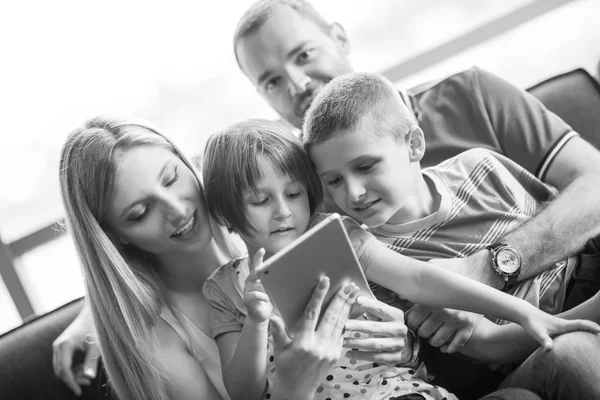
124 291
231 168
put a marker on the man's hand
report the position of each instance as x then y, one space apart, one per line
477 266
386 344
79 336
445 328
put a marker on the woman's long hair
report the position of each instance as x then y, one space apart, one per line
124 291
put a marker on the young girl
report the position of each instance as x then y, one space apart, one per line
261 184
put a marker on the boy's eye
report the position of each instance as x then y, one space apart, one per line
174 179
366 167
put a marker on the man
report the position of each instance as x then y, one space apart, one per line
289 52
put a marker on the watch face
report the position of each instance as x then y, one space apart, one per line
508 260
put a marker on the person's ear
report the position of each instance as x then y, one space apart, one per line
338 34
416 143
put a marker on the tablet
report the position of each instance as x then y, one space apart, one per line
290 276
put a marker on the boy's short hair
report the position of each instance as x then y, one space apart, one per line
259 12
345 103
231 168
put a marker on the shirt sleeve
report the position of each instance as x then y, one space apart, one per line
363 242
224 314
527 132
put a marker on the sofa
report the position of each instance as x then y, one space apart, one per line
26 352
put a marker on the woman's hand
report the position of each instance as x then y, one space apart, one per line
388 335
304 361
257 301
79 336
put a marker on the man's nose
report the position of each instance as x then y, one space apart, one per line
298 80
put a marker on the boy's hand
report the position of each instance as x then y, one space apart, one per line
443 327
257 301
543 326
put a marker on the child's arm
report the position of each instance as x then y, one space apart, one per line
507 344
428 284
244 355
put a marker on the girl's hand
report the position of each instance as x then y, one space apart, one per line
542 326
257 301
305 359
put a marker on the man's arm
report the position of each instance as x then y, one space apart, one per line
572 218
560 230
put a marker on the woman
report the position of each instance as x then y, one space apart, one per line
135 208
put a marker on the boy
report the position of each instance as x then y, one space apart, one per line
367 149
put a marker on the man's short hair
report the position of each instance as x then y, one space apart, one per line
348 100
260 11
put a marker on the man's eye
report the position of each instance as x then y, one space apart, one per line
272 83
305 56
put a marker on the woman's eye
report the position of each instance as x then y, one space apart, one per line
139 217
175 178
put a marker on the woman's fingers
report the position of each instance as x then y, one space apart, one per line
337 311
375 344
379 309
392 328
308 323
388 358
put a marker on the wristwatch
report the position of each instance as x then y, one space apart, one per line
506 261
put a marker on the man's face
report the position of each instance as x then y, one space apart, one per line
290 58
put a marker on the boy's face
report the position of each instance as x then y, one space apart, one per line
290 58
373 178
278 208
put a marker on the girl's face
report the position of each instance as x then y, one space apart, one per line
278 209
156 203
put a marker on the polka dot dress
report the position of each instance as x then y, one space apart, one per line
355 379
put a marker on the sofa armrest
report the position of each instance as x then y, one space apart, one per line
575 97
26 359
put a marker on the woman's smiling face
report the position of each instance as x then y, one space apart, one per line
156 203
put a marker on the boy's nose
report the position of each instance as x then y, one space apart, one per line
356 191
